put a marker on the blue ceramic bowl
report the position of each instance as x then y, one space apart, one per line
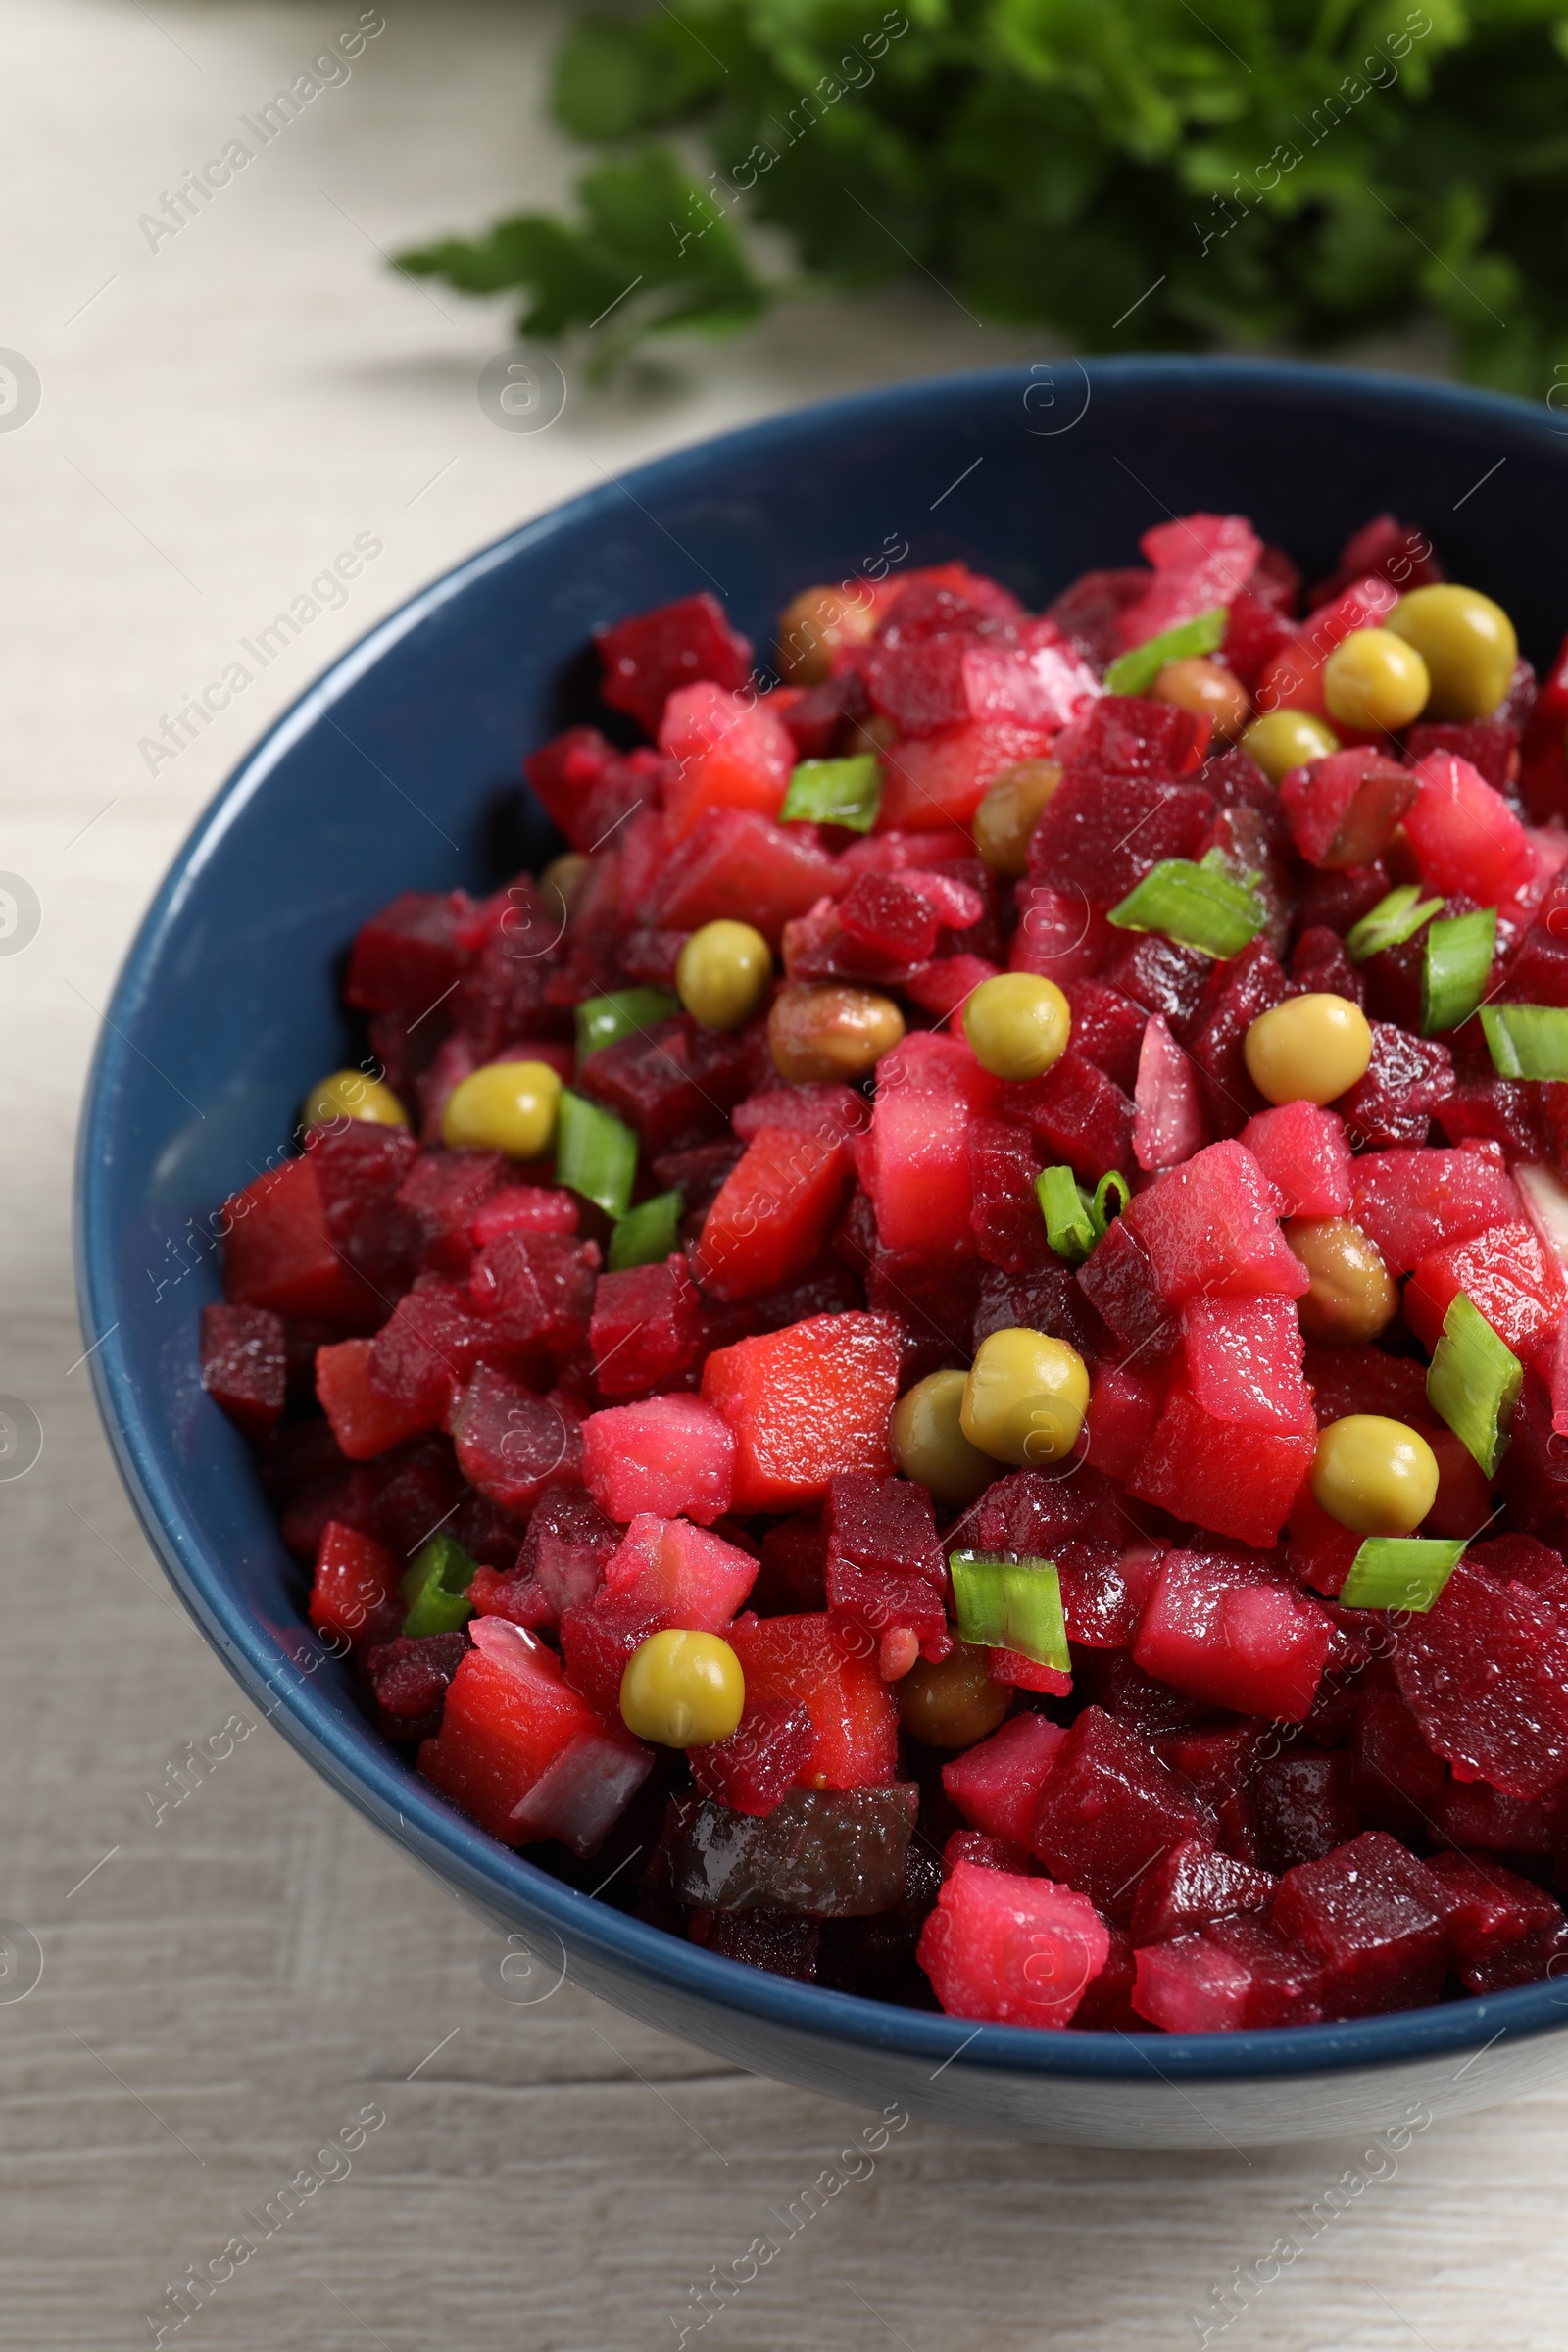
399 769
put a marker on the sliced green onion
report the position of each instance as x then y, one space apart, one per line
594 1154
1473 1381
1401 1572
434 1587
1069 1214
1458 966
1392 921
1527 1041
1131 672
604 1020
1199 905
645 1235
836 791
1115 1182
1011 1604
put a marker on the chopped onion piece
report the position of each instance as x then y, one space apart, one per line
595 1155
835 792
1200 906
1456 969
1133 672
1392 921
1401 1572
1069 1214
1527 1041
1473 1381
582 1793
604 1020
647 1233
1011 1604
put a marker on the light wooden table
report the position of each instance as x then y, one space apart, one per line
224 1990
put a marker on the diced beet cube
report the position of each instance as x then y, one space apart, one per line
1533 1472
1013 1950
1191 1887
1238 782
1514 1113
752 1770
728 752
1399 1781
1487 745
364 1422
1105 832
567 1544
423 1354
536 1290
1472 1813
1370 1917
667 1456
790 1580
598 1639
1505 1273
738 865
511 1443
1107 1029
1211 1226
1172 1119
1028 1512
590 788
1304 1806
646 1327
1103 1590
820 718
782 1944
245 1364
686 1575
1046 1299
1493 1912
1089 609
1237 1632
1344 810
277 1252
646 658
832 1669
890 916
1129 735
1125 1404
1411 1203
406 957
1059 936
355 1593
1303 1155
1005 1212
1538 971
1485 1673
1109 1807
940 780
826 1110
1237 1972
1320 966
885 1567
1219 1763
670 1081
996 1785
443 1194
805 1402
1118 1280
1106 2006
1226 1474
1465 836
408 1681
508 1716
1162 976
771 1214
840 1853
1079 1115
1242 991
1364 1380
986 1853
1243 1362
359 1169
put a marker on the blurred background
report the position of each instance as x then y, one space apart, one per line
206 393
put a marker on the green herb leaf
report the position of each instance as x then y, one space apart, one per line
647 1233
434 1586
1392 921
1527 1041
594 1154
1456 969
604 1020
1132 672
1401 1572
1199 905
1473 1381
836 791
1011 1604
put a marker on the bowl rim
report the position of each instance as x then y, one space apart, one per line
499 1881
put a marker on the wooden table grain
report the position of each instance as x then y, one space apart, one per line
257 2026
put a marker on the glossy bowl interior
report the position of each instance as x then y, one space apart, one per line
398 769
